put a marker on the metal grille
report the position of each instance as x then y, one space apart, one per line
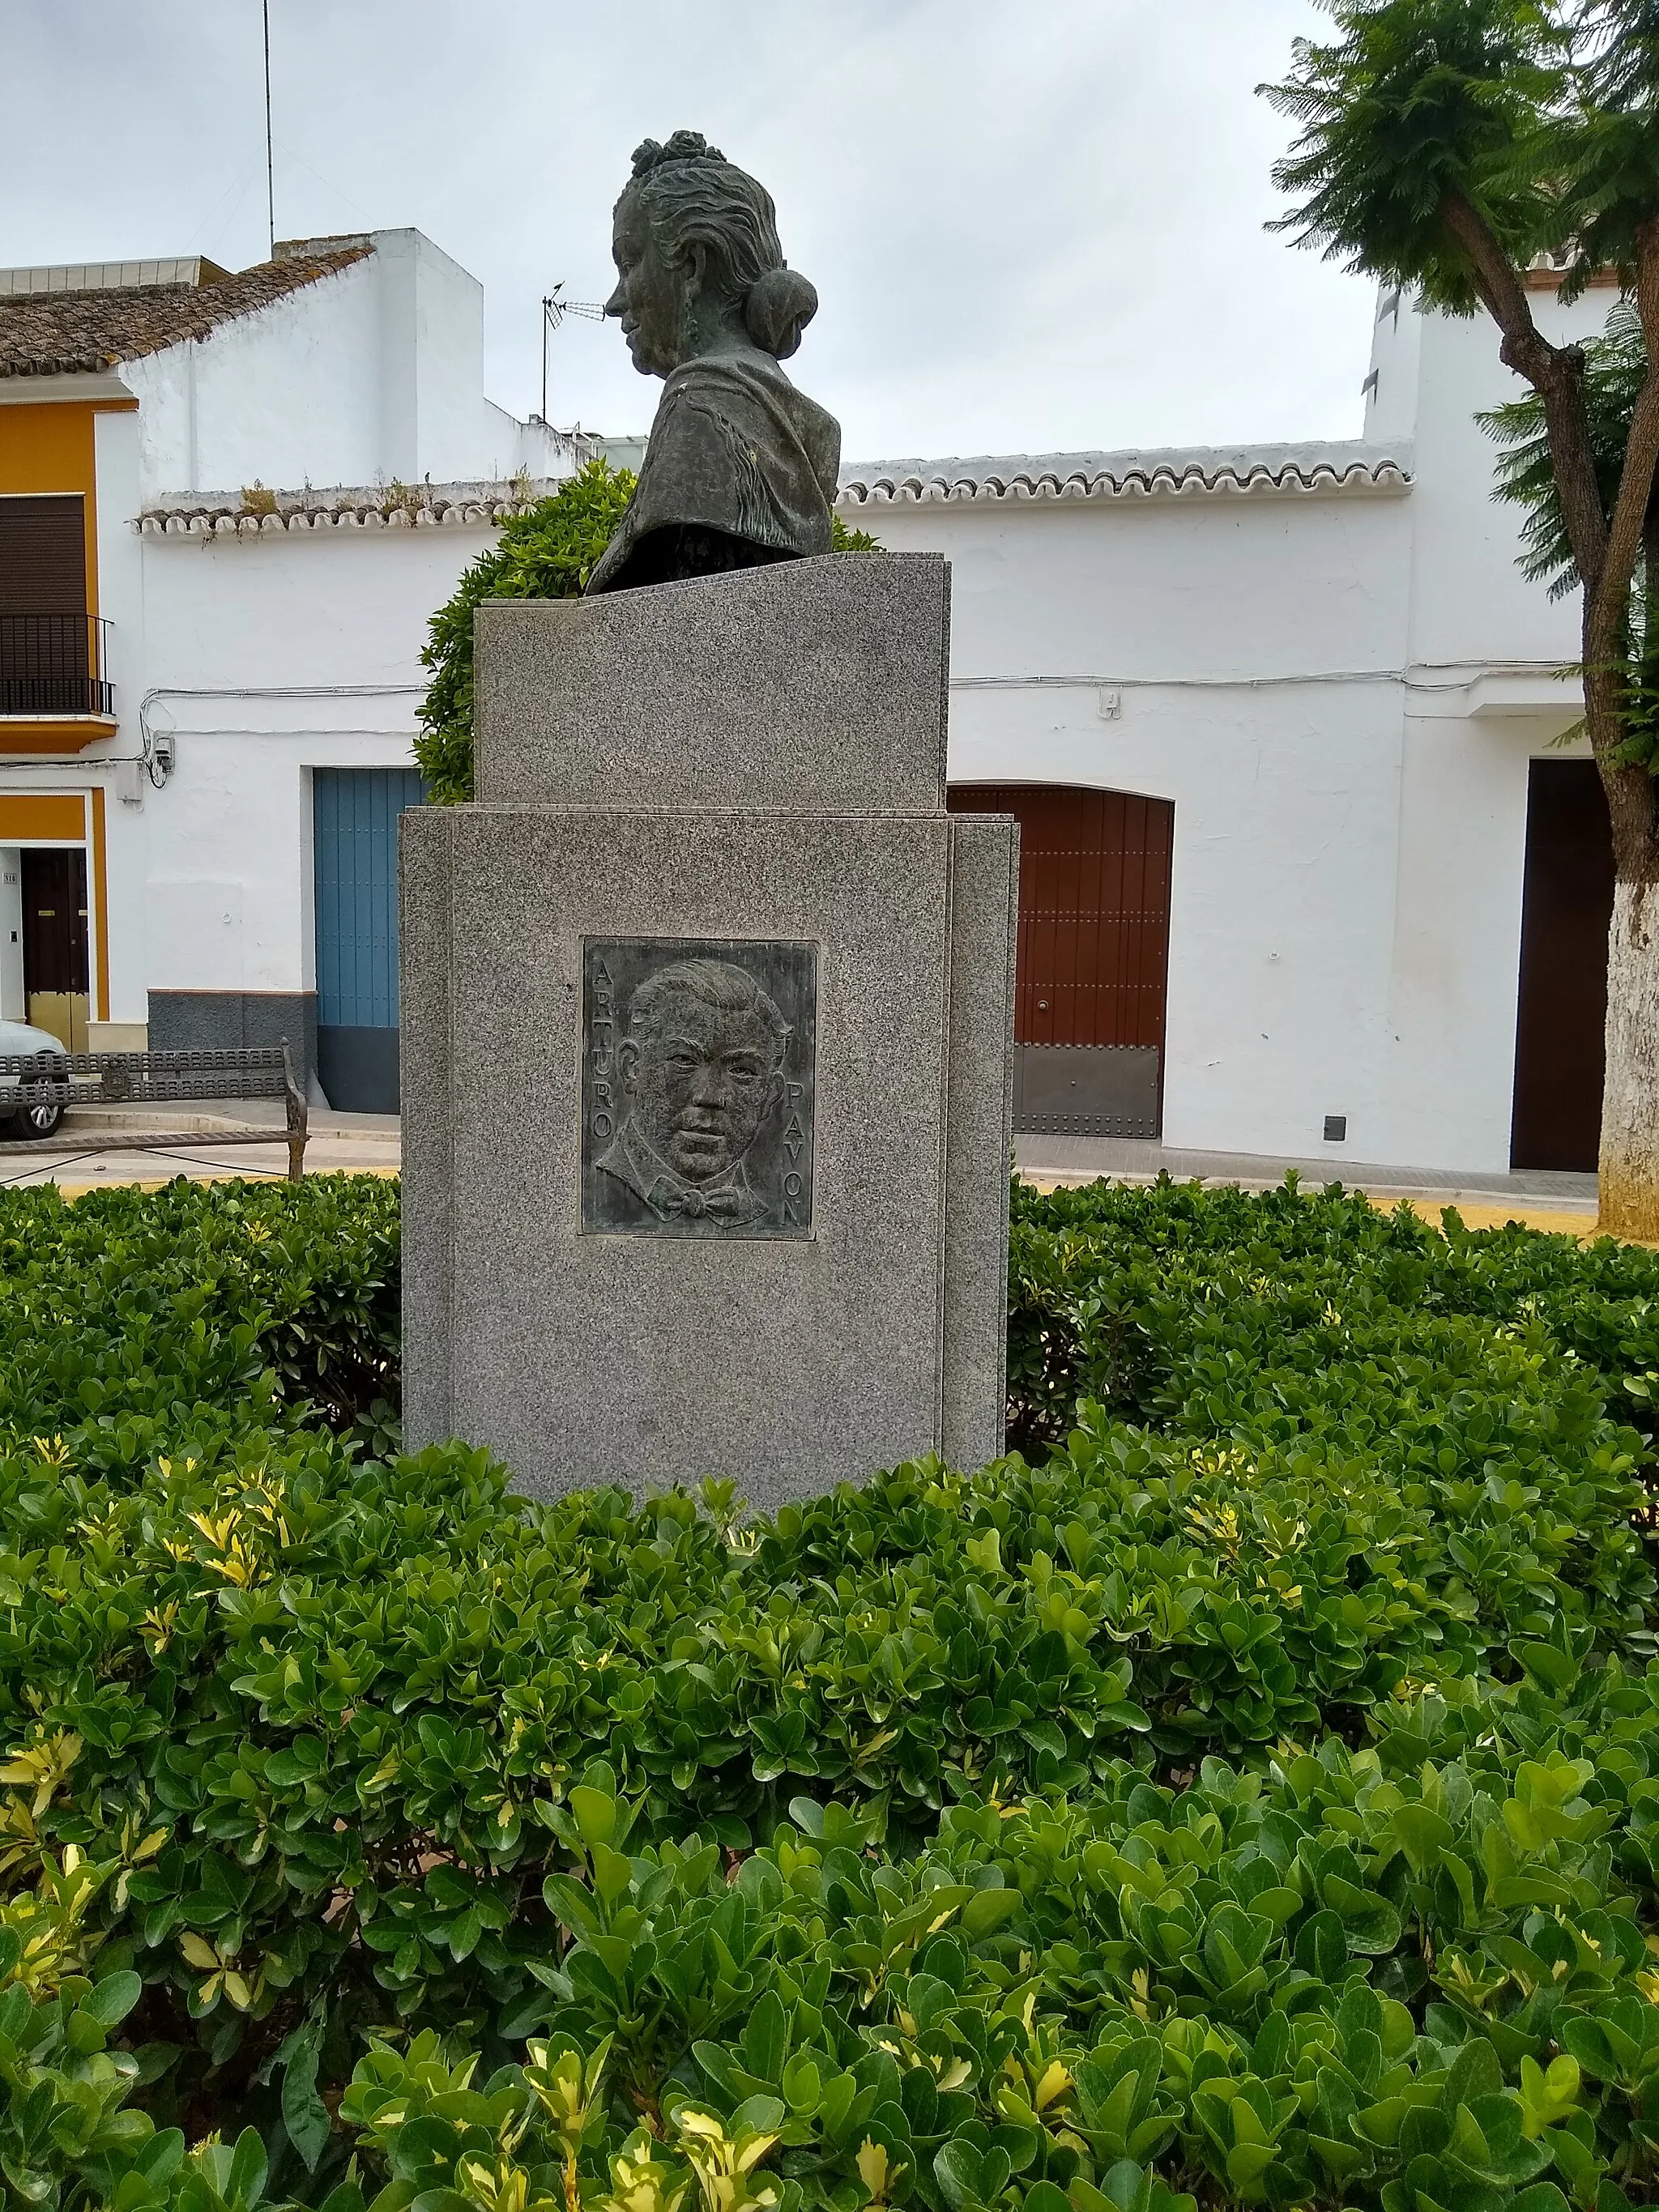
1091 967
53 664
139 1079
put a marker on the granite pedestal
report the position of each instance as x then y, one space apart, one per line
706 1036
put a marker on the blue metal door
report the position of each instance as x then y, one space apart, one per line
355 813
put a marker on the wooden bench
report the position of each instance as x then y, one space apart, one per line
152 1079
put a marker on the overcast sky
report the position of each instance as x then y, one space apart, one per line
1033 224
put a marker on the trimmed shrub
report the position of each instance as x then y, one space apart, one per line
1249 1796
549 552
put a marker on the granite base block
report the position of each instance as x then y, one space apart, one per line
586 1358
814 685
682 1320
979 1134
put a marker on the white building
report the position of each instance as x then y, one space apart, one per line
208 687
1271 717
1322 666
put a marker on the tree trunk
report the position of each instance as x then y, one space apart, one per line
1629 1164
1606 548
1630 1101
1629 1186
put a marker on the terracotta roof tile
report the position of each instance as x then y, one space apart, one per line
59 333
1349 466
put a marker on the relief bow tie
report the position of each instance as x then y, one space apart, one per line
686 1202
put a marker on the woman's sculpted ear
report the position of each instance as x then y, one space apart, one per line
693 258
780 305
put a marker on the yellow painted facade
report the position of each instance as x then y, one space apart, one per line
69 818
51 447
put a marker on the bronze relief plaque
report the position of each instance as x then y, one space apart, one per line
697 1086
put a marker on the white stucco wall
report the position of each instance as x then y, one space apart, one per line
362 377
1282 888
1469 601
121 600
374 374
266 659
1342 695
290 396
13 1006
1213 618
1190 587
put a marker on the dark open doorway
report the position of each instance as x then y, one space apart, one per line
1566 905
56 977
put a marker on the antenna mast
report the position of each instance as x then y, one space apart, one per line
555 308
270 187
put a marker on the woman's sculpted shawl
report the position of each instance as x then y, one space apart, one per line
741 468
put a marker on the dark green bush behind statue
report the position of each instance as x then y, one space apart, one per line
547 553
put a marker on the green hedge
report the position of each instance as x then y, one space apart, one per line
1254 1796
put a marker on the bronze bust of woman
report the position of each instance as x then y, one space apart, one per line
741 467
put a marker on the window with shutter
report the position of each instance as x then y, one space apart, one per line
46 638
43 555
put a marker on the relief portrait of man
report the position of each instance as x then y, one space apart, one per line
700 1070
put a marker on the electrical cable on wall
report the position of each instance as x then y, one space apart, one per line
154 755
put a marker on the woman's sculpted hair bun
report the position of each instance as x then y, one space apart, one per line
780 305
694 196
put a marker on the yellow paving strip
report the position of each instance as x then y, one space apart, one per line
1581 1225
1475 1215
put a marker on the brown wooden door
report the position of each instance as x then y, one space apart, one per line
55 937
1091 969
1566 906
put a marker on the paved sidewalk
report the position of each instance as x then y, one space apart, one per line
372 1144
339 1144
1543 1197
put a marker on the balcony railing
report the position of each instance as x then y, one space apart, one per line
53 664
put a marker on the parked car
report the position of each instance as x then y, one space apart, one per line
37 1121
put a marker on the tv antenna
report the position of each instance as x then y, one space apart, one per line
271 184
555 308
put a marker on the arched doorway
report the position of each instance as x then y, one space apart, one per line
1091 968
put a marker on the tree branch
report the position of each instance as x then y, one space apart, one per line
1647 285
1632 793
1555 373
1626 531
1496 278
1630 514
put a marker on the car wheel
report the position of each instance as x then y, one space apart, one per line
37 1121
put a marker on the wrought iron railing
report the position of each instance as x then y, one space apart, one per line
54 665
